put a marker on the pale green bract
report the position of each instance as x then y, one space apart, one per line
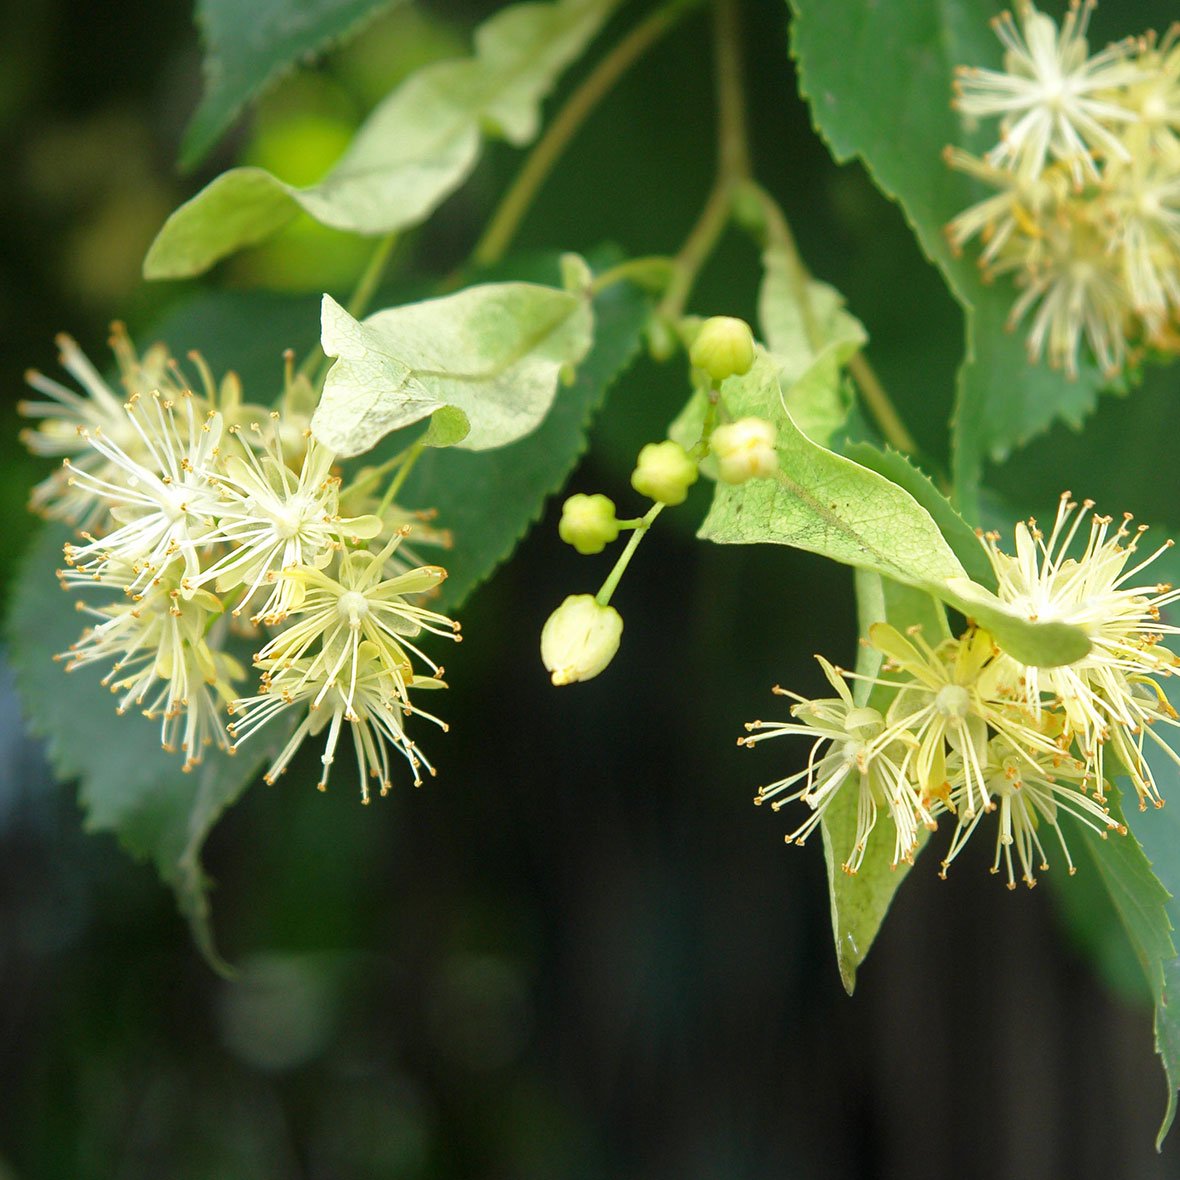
415 149
811 341
827 504
494 352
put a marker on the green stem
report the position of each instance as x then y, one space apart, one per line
873 394
733 161
699 244
603 596
779 235
653 271
880 406
733 141
357 304
409 457
372 475
367 284
500 231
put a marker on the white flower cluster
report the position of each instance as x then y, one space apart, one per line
963 728
1085 213
203 519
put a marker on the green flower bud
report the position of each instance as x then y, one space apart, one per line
745 450
665 471
724 347
580 638
588 523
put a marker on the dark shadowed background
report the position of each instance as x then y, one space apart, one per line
579 952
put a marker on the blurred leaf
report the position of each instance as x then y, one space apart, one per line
1096 927
415 149
249 47
861 900
488 500
495 351
1137 887
1157 836
884 95
128 785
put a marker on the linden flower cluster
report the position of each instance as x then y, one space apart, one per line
961 728
202 520
1085 212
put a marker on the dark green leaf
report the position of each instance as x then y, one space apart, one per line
860 901
878 77
1136 886
128 785
249 47
957 533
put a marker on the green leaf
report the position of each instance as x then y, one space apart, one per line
878 78
1041 645
415 149
495 351
488 499
128 785
827 504
958 534
249 47
1138 889
860 901
1158 831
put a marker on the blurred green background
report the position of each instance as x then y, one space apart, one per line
579 952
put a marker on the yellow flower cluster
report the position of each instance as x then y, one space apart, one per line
1085 208
962 728
210 520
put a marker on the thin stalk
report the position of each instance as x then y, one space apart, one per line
733 161
873 393
358 302
699 244
517 201
367 284
879 405
603 596
411 455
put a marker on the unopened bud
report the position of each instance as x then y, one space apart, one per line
588 523
724 347
665 471
580 638
745 450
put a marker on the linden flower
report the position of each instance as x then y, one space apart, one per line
1009 222
954 695
1144 212
274 520
369 700
1052 96
67 418
163 502
1077 290
1110 694
849 737
1027 790
164 663
358 606
1156 96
